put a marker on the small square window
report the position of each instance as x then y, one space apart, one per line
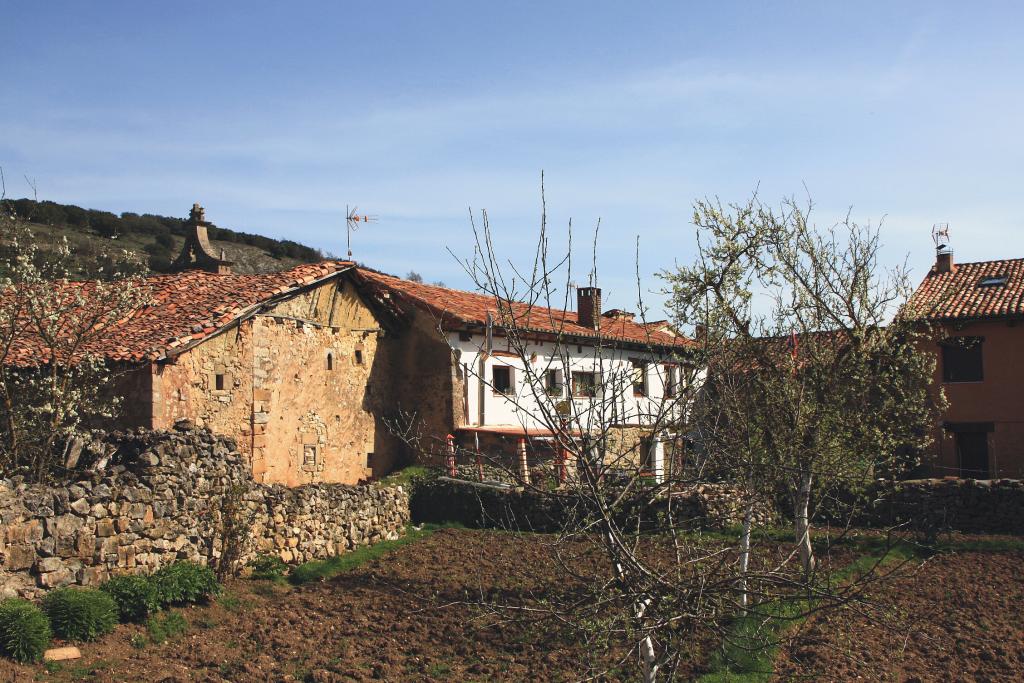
218 382
962 359
330 361
309 456
584 384
501 379
369 460
359 357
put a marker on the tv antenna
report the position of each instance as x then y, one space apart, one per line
352 220
940 235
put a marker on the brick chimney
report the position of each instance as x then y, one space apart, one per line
588 306
944 261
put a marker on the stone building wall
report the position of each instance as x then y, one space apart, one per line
300 387
151 498
425 386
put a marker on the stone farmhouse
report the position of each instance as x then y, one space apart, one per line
312 370
979 310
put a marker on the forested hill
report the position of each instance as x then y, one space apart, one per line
155 239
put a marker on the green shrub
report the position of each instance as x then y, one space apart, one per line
136 596
183 583
165 625
80 614
268 568
24 631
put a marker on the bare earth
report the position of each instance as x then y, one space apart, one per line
404 617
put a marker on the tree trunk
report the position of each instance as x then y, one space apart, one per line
748 519
801 516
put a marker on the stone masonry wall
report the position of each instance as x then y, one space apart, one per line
151 498
483 505
972 506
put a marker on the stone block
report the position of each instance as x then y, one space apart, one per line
19 556
49 564
126 556
105 527
55 579
93 576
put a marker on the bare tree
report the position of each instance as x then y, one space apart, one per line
660 583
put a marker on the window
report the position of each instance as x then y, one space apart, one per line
671 381
961 359
646 454
369 460
501 379
309 456
330 361
584 384
553 382
992 281
639 372
972 454
359 356
218 381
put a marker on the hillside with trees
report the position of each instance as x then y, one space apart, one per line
154 240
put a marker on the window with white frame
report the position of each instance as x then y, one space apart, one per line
553 382
639 376
502 379
584 384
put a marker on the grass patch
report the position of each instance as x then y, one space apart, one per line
319 570
405 476
749 651
165 626
982 545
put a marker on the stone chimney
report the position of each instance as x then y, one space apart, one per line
197 252
588 306
944 261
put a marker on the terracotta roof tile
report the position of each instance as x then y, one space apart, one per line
183 308
455 308
961 294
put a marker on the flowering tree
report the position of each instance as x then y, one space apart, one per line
818 379
54 377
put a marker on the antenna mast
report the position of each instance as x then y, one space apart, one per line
352 220
940 235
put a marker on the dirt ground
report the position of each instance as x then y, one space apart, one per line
405 617
957 617
399 618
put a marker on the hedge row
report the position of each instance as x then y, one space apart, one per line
82 615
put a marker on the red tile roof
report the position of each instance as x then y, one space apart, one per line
960 294
455 308
184 308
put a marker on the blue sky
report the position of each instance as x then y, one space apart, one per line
277 115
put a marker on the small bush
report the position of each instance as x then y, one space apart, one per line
80 615
24 631
268 568
184 583
165 625
136 596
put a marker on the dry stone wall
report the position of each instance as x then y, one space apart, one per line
495 504
968 505
150 498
